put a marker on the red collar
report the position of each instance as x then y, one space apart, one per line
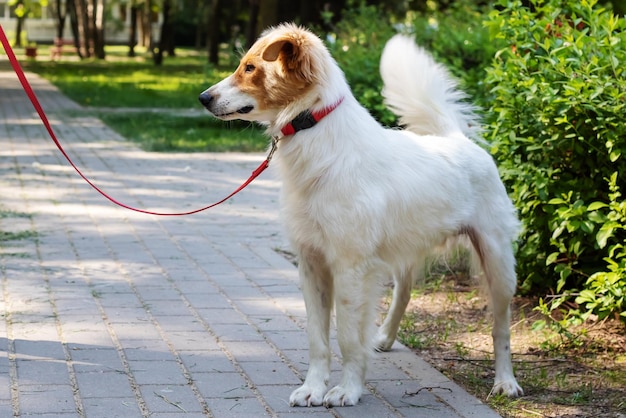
308 119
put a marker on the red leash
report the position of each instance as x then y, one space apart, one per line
33 98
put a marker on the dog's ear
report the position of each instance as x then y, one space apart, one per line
291 53
273 50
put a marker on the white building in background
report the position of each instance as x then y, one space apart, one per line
41 24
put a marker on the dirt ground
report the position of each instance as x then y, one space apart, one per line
448 322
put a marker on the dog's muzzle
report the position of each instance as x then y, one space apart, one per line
207 101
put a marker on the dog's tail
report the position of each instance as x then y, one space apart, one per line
423 93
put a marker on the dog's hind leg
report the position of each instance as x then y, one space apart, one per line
388 331
498 264
356 292
317 289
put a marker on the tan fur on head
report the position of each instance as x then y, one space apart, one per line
285 72
278 69
290 51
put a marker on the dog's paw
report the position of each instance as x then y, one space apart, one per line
382 342
343 396
307 395
508 387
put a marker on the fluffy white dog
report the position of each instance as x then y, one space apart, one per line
363 203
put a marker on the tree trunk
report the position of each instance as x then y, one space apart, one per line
157 53
82 24
18 31
61 16
132 38
20 12
90 26
71 11
146 24
201 34
98 29
268 15
307 8
213 32
251 29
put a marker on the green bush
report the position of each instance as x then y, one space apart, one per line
455 36
458 39
605 291
357 45
558 132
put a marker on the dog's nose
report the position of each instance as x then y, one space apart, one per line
205 98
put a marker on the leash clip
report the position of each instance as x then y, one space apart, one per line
275 140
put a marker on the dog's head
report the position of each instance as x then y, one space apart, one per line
280 72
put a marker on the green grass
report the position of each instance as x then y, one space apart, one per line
16 236
11 236
6 213
121 81
164 133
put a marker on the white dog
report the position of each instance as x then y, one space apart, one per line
363 203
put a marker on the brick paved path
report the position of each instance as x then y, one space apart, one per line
109 313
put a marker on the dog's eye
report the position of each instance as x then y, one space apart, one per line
249 68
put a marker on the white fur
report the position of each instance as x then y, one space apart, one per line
362 203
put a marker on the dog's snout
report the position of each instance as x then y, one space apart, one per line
206 99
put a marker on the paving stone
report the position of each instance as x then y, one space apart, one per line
269 373
41 399
157 372
222 385
111 407
103 384
170 399
236 408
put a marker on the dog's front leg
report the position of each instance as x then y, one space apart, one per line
317 289
354 305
